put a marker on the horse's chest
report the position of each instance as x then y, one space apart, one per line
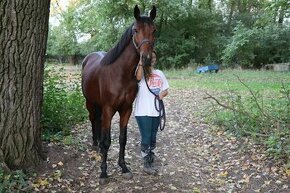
129 93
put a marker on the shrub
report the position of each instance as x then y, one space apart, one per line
63 105
257 46
253 115
15 181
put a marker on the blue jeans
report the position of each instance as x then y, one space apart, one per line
148 127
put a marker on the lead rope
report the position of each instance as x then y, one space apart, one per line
160 108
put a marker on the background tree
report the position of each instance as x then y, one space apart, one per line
189 32
23 35
63 37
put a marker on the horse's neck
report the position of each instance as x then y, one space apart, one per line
129 58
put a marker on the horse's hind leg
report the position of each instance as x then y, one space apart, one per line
124 118
95 118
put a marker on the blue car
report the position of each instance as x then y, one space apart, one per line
210 68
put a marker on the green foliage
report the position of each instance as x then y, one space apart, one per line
174 58
259 106
13 182
272 45
240 49
104 22
72 141
63 105
186 40
263 118
255 47
239 33
278 145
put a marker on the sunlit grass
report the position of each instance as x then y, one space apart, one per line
265 81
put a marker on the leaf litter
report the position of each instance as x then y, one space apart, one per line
193 157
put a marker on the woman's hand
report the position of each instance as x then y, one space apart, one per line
163 94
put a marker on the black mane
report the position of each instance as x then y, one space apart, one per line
115 52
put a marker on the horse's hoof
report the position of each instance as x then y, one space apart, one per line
128 175
103 181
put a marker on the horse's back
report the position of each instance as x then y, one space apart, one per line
90 65
93 58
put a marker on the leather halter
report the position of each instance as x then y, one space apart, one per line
145 40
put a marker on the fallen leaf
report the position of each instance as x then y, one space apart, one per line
196 190
223 174
40 182
60 163
288 172
172 187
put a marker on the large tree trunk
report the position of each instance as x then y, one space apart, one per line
23 36
73 60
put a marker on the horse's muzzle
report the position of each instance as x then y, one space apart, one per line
147 60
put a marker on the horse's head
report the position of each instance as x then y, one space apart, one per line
143 33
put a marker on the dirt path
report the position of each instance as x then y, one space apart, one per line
193 158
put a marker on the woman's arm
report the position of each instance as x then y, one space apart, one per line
139 70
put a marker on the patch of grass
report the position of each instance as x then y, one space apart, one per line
70 140
264 81
252 115
258 104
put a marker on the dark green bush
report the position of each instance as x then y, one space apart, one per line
63 105
257 46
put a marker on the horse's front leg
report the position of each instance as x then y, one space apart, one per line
105 142
124 118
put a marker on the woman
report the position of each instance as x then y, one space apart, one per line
145 111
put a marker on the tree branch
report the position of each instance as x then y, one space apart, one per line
228 107
255 98
235 110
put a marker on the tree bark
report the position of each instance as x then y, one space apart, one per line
73 60
23 37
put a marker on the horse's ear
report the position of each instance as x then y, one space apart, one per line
137 12
153 13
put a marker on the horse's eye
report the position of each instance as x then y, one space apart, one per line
135 30
154 31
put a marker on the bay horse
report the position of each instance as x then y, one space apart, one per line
109 85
